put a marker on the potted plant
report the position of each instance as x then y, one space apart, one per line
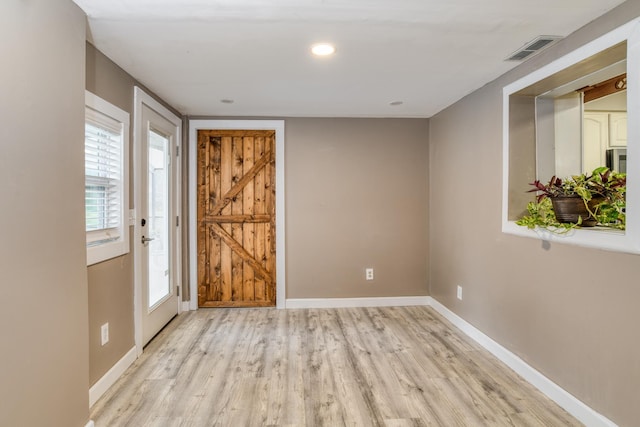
578 201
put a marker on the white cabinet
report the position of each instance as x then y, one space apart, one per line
595 137
617 129
601 131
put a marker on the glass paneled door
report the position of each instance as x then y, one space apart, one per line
157 222
158 218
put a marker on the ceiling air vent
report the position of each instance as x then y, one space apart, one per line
534 46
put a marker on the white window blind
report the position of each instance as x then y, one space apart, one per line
103 174
106 180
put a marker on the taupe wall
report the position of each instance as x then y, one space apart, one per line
356 197
43 321
111 281
111 288
570 312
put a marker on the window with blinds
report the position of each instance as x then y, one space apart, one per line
105 147
103 174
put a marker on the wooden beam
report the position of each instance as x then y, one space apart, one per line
240 133
218 219
237 304
605 88
239 250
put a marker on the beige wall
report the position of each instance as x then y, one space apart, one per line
110 282
111 287
43 321
110 300
356 197
569 312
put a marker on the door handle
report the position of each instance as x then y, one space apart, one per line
146 239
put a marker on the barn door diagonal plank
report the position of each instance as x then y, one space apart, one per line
237 188
239 250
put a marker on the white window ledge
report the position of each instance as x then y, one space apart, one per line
593 237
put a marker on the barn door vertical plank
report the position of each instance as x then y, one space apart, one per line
226 161
215 290
236 228
203 255
259 208
205 283
270 227
248 228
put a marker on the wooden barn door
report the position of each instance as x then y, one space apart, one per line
236 218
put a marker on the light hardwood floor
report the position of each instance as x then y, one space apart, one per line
397 366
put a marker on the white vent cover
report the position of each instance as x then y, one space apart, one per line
534 46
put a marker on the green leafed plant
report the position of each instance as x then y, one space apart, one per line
603 193
541 215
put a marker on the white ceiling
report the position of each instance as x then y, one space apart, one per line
426 53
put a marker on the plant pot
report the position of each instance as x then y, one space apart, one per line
569 209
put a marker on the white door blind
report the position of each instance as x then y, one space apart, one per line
103 176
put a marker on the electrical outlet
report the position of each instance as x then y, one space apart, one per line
459 293
368 273
104 333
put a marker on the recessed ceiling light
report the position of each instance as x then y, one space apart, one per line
395 103
227 101
323 49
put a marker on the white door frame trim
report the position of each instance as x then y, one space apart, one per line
142 98
278 127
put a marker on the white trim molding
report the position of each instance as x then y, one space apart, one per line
564 399
112 375
612 240
104 247
357 302
278 127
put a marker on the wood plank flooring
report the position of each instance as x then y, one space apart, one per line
396 366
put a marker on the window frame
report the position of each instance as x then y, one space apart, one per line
627 241
109 243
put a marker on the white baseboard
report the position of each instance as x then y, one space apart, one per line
103 384
564 399
568 402
90 424
356 302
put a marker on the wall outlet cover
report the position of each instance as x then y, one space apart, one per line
368 273
104 334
